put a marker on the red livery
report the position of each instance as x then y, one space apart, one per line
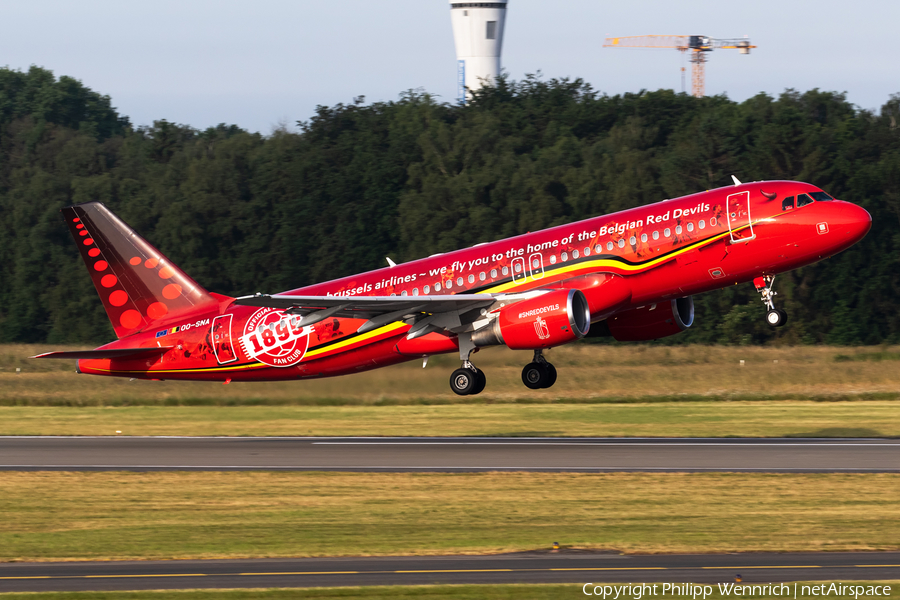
629 275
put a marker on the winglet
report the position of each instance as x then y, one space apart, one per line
735 180
390 262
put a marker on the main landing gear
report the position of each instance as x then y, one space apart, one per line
774 316
538 374
469 380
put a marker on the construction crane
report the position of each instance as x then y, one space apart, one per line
697 45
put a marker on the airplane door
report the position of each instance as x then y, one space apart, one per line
536 265
518 270
221 339
740 225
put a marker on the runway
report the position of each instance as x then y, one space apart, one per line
450 454
579 568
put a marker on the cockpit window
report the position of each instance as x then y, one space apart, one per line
787 203
820 196
803 200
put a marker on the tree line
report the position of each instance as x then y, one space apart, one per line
244 212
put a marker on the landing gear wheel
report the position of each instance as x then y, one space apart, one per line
463 381
776 317
480 382
551 375
535 375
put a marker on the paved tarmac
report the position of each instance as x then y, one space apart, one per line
579 568
449 454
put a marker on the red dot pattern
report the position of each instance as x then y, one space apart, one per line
79 226
94 252
88 242
100 265
75 220
82 232
157 310
108 281
166 273
130 319
135 261
171 291
151 263
118 298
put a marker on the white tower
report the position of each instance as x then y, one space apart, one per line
478 33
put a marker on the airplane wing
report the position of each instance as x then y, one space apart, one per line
378 310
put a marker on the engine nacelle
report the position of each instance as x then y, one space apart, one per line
548 320
653 321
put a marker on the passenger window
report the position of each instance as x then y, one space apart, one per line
493 273
415 291
482 276
787 203
598 248
552 259
403 293
667 232
535 263
574 253
655 235
437 287
459 281
803 200
820 196
690 227
712 221
505 270
471 278
425 290
518 267
587 250
609 245
449 284
632 241
643 237
678 230
564 256
621 242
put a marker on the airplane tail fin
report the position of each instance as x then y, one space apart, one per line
140 288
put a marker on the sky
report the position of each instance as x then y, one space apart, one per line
268 63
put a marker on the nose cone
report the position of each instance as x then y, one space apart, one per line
858 222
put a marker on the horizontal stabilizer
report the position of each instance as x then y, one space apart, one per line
110 353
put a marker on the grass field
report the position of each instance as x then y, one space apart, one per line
688 419
74 516
587 373
602 391
442 592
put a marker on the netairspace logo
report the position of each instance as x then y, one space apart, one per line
701 592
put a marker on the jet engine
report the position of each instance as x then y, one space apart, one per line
653 321
548 320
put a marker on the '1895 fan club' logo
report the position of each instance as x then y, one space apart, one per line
273 338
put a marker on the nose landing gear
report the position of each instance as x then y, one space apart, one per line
775 316
538 374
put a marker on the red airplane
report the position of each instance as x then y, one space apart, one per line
629 275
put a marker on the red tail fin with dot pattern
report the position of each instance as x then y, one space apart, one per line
140 288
